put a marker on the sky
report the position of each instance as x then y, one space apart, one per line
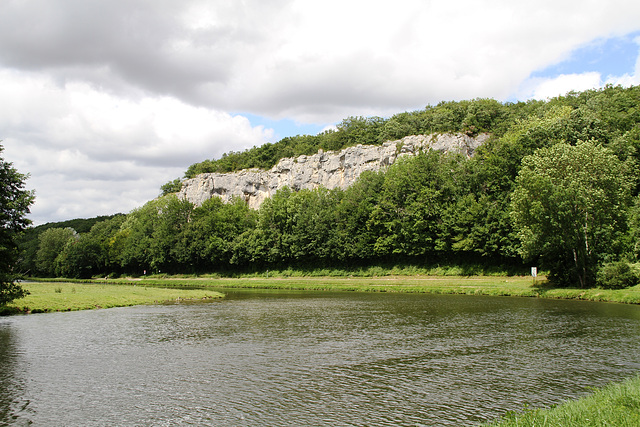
104 101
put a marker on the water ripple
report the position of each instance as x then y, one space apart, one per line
280 359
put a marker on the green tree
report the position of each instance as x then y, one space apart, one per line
207 241
171 187
171 219
314 223
103 234
353 239
272 239
569 208
408 218
634 229
52 243
14 206
148 238
29 241
80 258
131 244
482 114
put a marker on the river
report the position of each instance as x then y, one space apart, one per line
311 358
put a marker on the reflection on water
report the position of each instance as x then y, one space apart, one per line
13 406
265 358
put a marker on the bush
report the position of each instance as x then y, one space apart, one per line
616 275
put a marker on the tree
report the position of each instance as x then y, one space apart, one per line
634 229
149 236
171 187
80 258
207 241
408 217
52 242
569 208
353 240
14 206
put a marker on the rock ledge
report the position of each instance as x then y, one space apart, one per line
331 169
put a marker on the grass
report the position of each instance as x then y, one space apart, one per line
522 286
614 405
499 285
48 297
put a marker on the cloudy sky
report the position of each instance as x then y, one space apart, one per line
103 101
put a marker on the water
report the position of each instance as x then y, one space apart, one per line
312 358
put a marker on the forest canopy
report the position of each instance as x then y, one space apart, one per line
433 208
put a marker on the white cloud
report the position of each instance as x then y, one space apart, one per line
86 149
551 87
628 79
106 96
305 60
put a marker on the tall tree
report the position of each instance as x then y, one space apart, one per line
569 208
408 218
14 206
52 243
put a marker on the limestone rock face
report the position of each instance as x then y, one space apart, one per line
331 169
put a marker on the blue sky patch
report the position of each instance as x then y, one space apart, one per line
610 57
284 127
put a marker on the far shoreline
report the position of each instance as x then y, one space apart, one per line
48 297
519 286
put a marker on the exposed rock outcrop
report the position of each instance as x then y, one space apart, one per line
330 169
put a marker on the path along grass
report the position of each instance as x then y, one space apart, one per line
522 286
47 297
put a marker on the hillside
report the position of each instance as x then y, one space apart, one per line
556 185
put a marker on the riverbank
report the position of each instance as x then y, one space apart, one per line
520 286
60 296
617 404
133 291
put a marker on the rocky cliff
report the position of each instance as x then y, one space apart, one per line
330 169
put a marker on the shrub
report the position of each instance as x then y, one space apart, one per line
616 275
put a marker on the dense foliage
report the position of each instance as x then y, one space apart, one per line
14 205
30 241
428 209
570 207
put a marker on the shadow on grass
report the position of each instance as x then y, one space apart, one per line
8 311
545 285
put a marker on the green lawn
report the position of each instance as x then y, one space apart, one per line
614 405
60 296
80 295
470 285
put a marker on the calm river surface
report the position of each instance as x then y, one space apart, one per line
311 358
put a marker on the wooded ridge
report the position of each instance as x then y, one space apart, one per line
330 170
554 184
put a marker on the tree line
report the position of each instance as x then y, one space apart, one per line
556 186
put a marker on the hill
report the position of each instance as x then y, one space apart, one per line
429 209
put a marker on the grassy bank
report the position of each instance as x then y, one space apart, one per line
59 296
613 405
522 286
